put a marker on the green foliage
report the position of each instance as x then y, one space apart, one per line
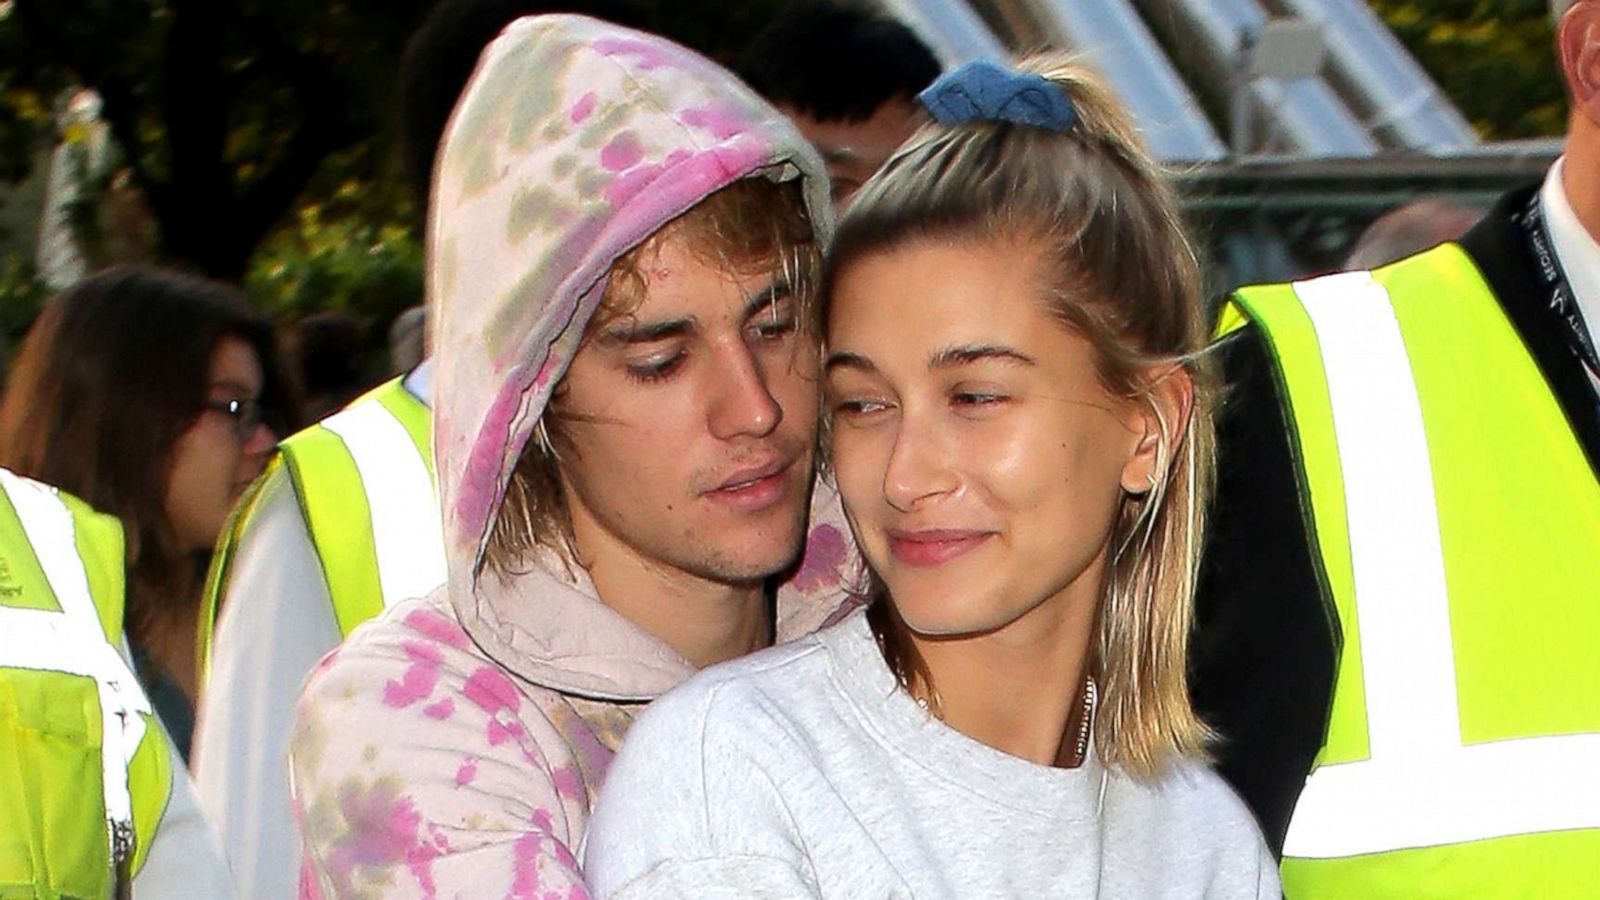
21 297
350 247
1494 58
224 110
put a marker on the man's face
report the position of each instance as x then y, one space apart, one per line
688 424
855 150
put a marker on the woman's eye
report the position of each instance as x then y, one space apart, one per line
977 398
655 369
858 407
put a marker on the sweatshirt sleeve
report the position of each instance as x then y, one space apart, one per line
688 812
419 772
276 622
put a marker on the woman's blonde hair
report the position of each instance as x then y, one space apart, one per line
1121 273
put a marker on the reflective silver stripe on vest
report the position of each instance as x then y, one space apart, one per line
406 529
72 641
1421 787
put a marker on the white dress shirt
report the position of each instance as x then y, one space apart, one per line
1576 249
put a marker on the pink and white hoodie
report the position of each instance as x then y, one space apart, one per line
455 745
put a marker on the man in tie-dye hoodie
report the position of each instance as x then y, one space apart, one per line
621 242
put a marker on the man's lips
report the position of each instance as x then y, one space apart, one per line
934 546
754 488
748 475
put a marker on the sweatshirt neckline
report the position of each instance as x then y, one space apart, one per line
862 674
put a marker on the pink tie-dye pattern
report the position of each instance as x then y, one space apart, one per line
467 772
583 108
491 690
419 860
439 628
827 550
622 153
541 820
646 56
419 679
441 710
480 478
722 121
569 782
497 732
525 867
382 831
310 887
626 186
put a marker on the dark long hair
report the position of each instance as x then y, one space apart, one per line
108 379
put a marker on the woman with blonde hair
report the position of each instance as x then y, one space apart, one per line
1019 426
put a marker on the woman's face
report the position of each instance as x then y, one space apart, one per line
222 451
980 460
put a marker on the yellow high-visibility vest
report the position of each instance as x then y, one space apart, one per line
1457 526
364 480
85 770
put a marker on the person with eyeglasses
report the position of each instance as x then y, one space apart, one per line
156 398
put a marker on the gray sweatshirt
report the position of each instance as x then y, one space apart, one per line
804 771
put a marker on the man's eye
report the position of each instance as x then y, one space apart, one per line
774 328
655 369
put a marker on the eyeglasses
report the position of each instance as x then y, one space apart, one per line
246 414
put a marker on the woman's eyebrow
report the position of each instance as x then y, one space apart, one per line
845 359
971 353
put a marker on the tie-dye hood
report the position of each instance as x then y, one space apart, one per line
575 141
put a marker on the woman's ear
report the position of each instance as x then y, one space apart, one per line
1160 422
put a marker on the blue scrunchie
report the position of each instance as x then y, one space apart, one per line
984 91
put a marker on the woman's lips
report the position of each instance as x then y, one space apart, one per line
935 546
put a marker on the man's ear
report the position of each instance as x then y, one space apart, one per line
1578 45
1160 423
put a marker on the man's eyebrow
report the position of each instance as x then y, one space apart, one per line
632 332
844 359
967 354
761 300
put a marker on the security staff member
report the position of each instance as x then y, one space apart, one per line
93 797
1401 595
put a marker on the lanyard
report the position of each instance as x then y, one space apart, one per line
1562 304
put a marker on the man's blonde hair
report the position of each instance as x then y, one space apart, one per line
750 225
1121 272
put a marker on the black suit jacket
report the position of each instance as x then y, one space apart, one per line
1263 659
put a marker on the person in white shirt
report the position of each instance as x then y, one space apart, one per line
1019 425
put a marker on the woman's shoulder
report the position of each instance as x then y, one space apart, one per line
1192 804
